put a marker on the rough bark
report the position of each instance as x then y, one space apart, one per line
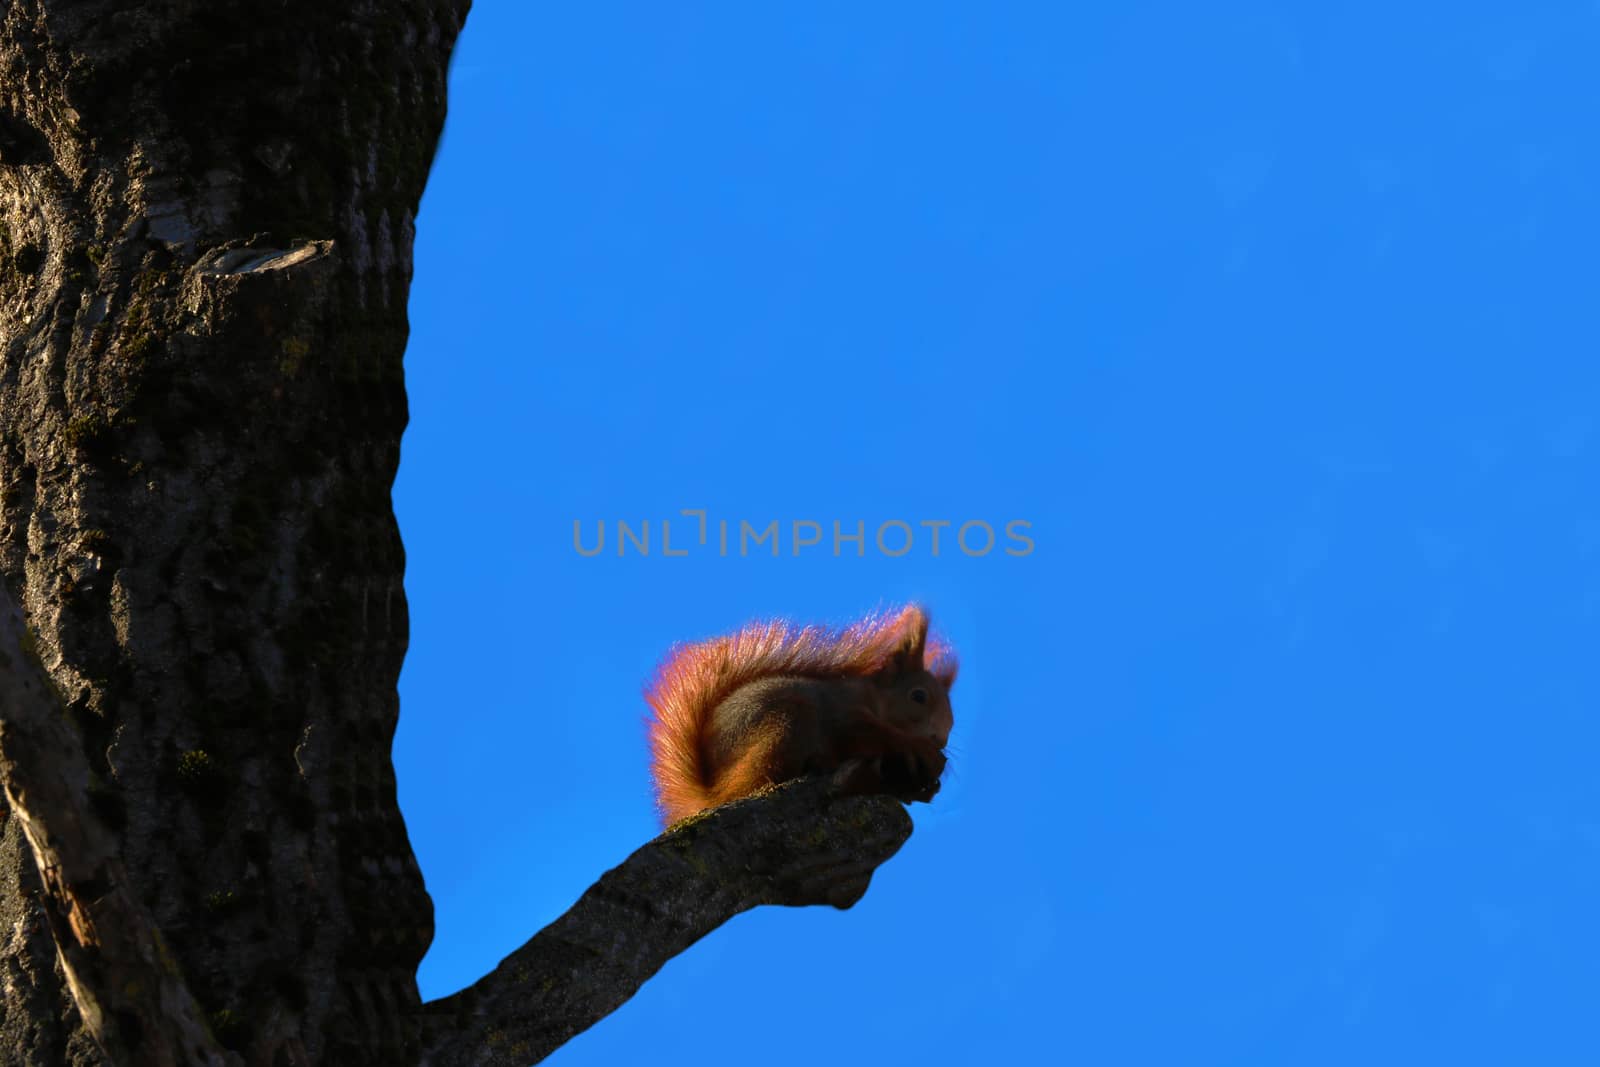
131 997
206 223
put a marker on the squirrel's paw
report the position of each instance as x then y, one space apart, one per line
911 774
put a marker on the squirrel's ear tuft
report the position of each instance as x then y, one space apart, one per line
908 654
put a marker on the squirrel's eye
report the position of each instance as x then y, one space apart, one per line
919 695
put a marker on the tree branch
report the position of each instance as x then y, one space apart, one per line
131 996
795 845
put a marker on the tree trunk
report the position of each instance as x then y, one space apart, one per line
206 216
206 223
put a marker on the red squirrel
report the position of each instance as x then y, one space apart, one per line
869 703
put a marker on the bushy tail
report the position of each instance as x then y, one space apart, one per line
694 678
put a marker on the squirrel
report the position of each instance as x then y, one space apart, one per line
869 703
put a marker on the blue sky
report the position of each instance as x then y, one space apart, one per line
1277 324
